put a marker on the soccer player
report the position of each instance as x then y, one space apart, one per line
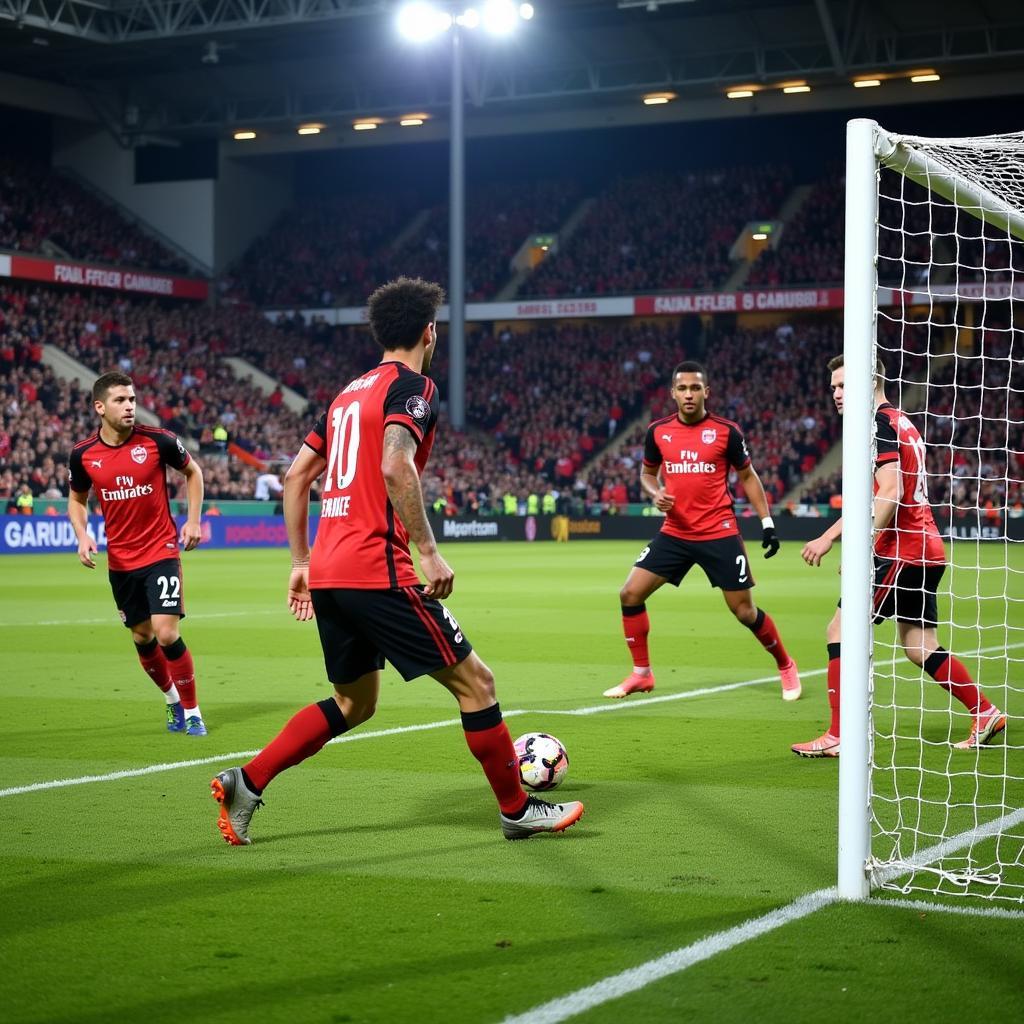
124 464
360 584
910 560
686 464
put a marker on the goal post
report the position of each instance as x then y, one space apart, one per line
934 271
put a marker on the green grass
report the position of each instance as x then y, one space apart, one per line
379 889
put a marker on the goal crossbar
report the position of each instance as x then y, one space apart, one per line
899 153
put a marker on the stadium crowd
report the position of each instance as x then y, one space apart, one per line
39 206
660 231
543 400
335 251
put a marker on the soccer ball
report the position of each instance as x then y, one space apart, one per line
543 762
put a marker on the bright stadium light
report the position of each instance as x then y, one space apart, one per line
499 17
244 136
420 21
866 83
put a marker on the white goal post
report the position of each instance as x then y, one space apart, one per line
934 267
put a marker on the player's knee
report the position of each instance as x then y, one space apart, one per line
629 598
356 709
746 612
832 632
167 635
482 684
142 636
915 654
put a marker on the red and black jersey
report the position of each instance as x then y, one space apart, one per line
912 536
130 482
694 459
360 541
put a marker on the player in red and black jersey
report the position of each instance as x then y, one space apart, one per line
125 465
359 582
910 560
687 458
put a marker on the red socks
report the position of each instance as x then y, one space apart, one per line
833 686
635 627
182 672
489 741
764 629
949 672
303 735
154 664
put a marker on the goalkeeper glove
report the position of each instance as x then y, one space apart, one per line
769 542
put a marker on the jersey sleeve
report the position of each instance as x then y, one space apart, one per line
652 453
80 480
736 450
888 445
172 452
317 437
412 401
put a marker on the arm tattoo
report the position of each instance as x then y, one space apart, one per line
404 487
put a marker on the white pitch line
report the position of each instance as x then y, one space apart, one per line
238 755
133 773
112 618
949 908
617 985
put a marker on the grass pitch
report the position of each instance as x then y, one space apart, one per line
378 888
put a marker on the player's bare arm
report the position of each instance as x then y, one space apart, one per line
815 550
652 487
78 513
887 494
754 490
298 481
191 530
403 484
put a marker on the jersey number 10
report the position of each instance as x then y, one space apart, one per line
341 458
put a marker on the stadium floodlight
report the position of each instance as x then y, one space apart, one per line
866 83
499 17
916 814
420 22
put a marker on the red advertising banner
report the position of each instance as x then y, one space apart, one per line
769 300
87 275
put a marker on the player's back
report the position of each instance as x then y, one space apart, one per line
913 535
360 541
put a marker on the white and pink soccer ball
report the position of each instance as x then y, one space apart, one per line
543 762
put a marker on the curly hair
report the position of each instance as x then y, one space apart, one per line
401 309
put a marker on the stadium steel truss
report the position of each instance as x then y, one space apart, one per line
588 52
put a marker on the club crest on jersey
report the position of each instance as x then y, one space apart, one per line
417 408
139 454
709 436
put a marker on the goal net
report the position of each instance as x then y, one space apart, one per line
943 278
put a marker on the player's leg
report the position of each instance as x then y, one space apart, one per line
663 561
353 664
132 601
238 790
827 745
726 565
915 608
166 598
471 682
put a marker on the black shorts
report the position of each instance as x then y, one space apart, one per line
359 629
152 590
724 560
906 592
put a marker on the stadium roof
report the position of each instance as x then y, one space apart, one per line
180 68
